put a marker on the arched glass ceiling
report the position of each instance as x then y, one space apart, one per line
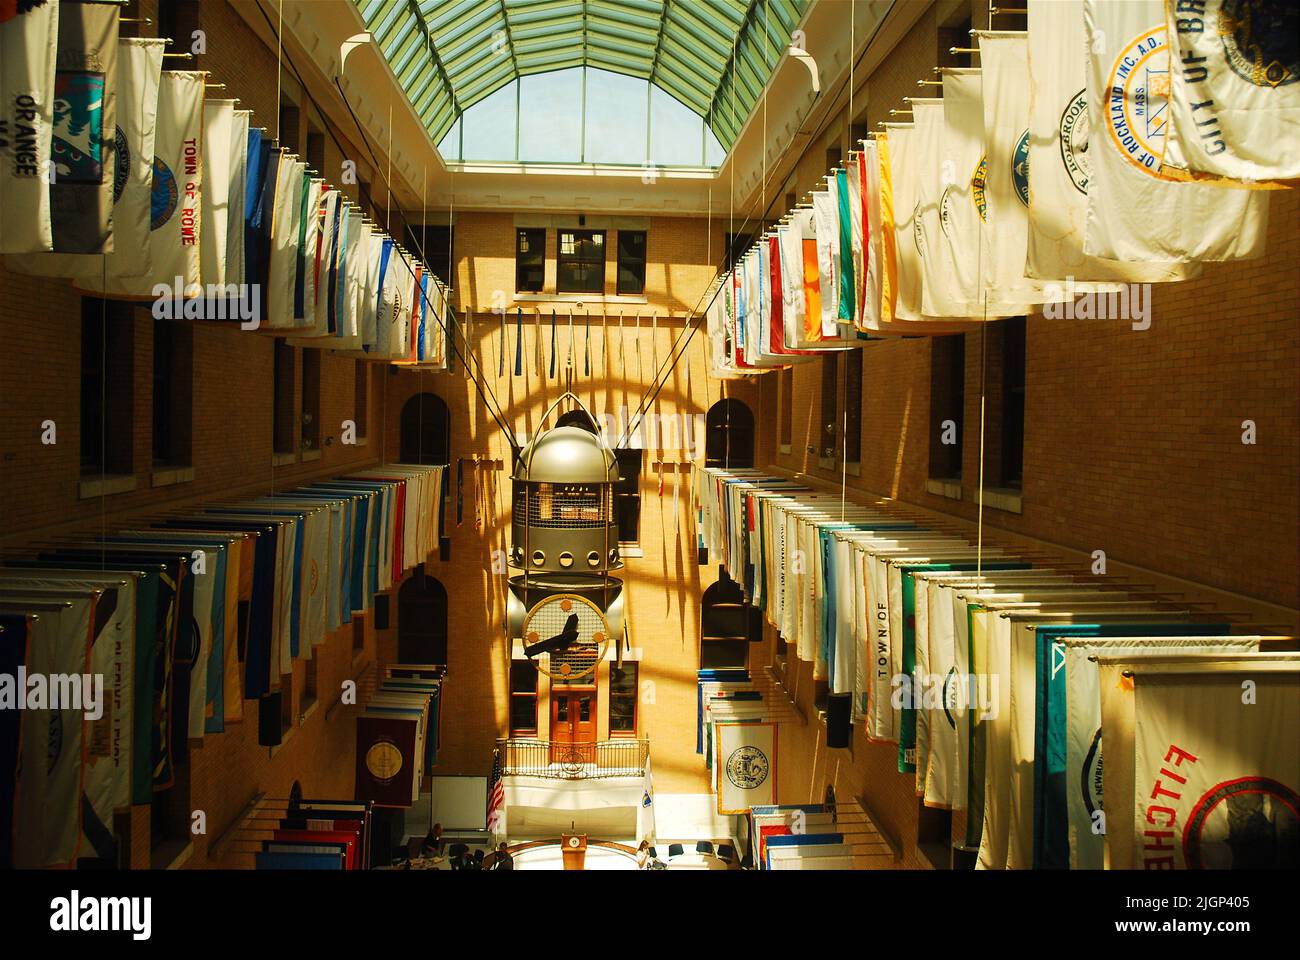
714 56
582 115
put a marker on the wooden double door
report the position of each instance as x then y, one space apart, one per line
573 724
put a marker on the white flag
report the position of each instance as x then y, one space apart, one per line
284 241
1083 766
903 166
826 220
1004 58
962 207
28 48
235 268
1234 101
218 130
1061 160
745 766
1216 768
176 195
1136 211
937 177
854 181
873 251
139 72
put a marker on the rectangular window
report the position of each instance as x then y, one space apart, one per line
737 244
631 262
285 415
853 406
289 118
623 689
947 403
580 265
107 357
1013 401
530 260
173 385
787 408
316 149
361 398
311 400
729 654
627 495
523 697
830 407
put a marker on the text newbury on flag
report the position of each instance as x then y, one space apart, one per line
176 191
1234 99
1061 160
1137 211
28 47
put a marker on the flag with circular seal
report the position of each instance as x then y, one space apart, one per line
1062 157
1216 767
1234 91
1136 209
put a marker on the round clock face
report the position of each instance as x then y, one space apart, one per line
384 761
574 842
566 637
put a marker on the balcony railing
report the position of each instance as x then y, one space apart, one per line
573 761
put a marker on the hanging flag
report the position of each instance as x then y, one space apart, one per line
1216 775
1234 98
1135 210
519 341
85 125
826 221
1004 60
789 237
904 166
262 164
883 225
176 204
286 227
868 209
551 371
937 180
846 203
501 347
963 201
218 129
139 71
496 807
28 53
1060 158
460 490
238 197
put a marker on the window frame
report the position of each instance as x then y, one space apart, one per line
563 260
634 695
517 668
530 233
631 262
626 491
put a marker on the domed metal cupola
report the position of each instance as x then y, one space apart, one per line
563 517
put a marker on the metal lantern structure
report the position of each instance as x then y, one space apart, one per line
564 532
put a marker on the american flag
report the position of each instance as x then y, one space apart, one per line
496 812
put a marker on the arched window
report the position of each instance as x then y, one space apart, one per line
729 435
426 430
422 621
727 626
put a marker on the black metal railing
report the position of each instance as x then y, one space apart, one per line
573 761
